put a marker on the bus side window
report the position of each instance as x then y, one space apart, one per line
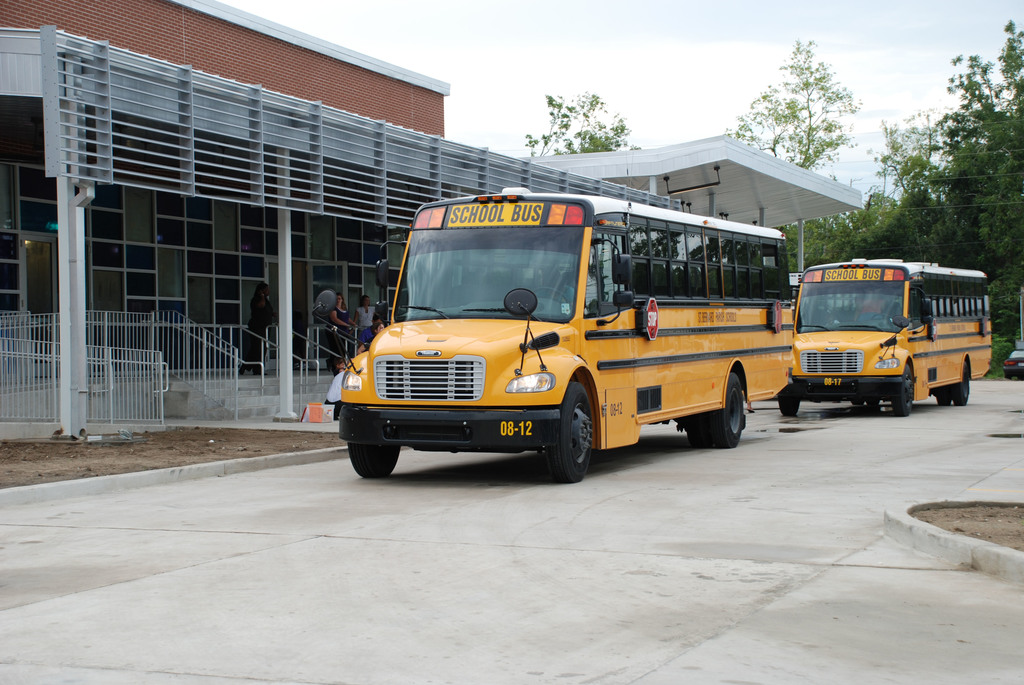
914 308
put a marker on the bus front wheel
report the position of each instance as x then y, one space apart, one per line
904 400
727 423
789 406
569 458
373 461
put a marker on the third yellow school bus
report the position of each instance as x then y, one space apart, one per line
886 330
563 324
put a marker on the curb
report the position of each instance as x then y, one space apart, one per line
84 487
1002 562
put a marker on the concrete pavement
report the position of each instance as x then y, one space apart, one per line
768 563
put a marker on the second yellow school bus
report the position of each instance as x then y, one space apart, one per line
564 324
887 330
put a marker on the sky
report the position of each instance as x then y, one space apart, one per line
675 70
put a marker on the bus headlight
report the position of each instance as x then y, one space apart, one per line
887 364
351 381
537 382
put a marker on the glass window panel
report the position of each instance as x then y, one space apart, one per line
107 196
9 276
321 238
754 250
695 247
299 247
697 286
200 235
140 257
169 204
107 293
679 280
638 242
374 233
138 215
227 264
742 282
252 267
271 242
741 252
198 208
170 272
349 229
226 289
659 279
38 216
6 197
729 281
33 183
677 246
252 241
349 251
140 284
8 246
756 286
200 300
173 306
141 306
228 313
270 218
659 239
728 257
712 250
641 277
714 282
250 216
170 231
225 226
107 254
200 262
105 225
9 302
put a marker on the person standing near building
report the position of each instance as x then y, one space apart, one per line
364 314
261 315
339 317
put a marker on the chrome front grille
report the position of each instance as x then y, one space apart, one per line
459 379
849 361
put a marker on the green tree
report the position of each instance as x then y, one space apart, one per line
579 126
799 120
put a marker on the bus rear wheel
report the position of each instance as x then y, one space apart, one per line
569 458
728 422
698 430
904 400
960 392
373 461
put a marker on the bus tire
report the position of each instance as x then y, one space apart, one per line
903 402
373 461
943 396
961 391
569 458
727 423
789 406
698 430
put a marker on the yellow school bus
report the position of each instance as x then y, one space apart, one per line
563 324
887 330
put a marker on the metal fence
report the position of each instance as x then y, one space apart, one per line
126 381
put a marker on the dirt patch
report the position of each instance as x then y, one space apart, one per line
28 462
1003 525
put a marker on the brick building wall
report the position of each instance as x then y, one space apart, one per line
181 35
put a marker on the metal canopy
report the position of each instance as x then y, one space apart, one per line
754 187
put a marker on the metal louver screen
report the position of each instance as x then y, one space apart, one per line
849 361
460 379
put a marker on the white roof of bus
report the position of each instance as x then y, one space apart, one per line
605 205
912 267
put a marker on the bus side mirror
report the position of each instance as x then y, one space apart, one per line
901 321
622 269
623 299
926 310
383 274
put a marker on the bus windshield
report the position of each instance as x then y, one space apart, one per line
850 306
465 273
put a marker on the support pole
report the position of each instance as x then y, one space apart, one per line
800 245
74 379
285 376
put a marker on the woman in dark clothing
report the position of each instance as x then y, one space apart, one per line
260 317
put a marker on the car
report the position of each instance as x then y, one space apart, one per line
1013 367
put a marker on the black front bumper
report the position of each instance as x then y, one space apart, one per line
842 388
450 430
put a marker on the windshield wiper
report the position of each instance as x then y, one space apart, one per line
424 309
489 309
807 326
